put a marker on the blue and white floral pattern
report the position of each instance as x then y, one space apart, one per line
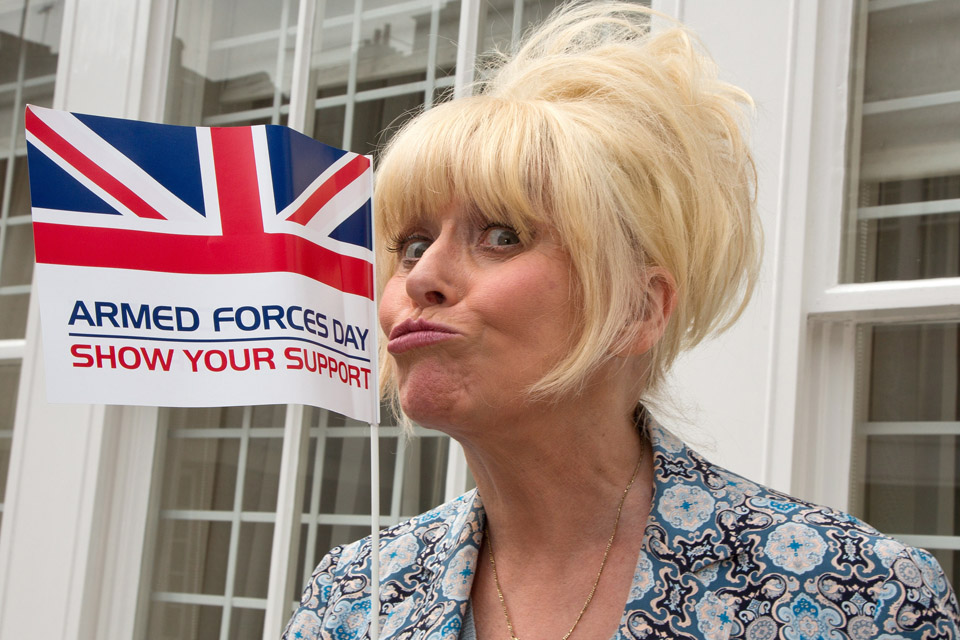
686 507
806 620
643 579
716 616
796 547
458 578
722 558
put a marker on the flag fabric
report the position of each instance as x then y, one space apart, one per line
202 266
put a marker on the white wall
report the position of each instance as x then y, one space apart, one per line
737 394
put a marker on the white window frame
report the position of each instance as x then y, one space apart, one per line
835 310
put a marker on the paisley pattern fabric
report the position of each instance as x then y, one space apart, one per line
722 558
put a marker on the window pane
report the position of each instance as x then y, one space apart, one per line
912 484
906 466
17 267
231 62
404 52
328 125
36 49
263 474
204 417
346 475
375 121
13 315
192 557
200 473
246 624
904 210
253 571
912 50
9 384
171 621
19 204
425 470
396 39
503 27
913 373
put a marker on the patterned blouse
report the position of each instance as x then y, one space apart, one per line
722 558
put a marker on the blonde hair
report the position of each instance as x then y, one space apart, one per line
627 144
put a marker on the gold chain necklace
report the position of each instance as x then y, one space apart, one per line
596 581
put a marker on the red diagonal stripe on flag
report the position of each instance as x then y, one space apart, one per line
331 187
88 168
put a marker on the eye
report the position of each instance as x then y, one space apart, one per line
410 247
500 236
414 248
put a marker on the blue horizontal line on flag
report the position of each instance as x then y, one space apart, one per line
203 340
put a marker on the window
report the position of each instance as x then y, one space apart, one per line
904 225
29 35
220 470
231 62
905 195
906 444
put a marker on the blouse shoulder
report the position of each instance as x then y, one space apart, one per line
840 573
768 565
337 596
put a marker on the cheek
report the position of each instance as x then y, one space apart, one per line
391 302
532 305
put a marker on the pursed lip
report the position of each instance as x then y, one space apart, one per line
411 334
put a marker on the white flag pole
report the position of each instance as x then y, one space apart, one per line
374 532
374 453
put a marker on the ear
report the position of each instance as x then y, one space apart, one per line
659 301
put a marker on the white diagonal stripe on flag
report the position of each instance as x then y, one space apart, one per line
341 162
99 151
80 177
350 198
208 176
261 156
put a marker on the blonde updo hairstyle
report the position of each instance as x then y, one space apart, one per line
621 139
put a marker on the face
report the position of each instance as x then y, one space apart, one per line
475 313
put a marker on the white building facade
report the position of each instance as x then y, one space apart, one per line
840 384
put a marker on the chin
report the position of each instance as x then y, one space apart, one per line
432 400
428 410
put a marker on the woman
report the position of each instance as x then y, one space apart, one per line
554 243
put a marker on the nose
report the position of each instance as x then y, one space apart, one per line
435 278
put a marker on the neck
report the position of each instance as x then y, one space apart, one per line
550 471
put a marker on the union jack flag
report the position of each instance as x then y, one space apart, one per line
125 194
